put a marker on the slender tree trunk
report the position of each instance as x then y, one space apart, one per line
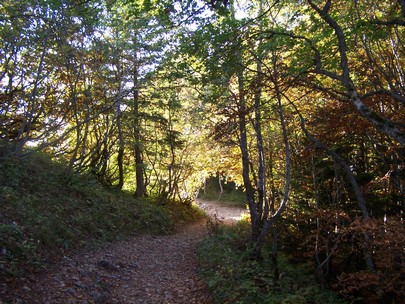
140 185
139 166
221 189
242 111
268 224
78 125
121 151
121 148
85 131
262 204
25 129
272 199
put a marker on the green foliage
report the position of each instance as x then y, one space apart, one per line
45 212
18 251
234 277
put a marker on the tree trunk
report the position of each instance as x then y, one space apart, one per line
139 165
78 126
221 189
262 204
121 148
25 129
254 215
120 154
269 222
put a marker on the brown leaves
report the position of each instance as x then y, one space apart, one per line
144 269
340 245
358 284
385 242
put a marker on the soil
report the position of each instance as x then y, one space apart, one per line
143 269
222 212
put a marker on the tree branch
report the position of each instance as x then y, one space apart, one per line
381 123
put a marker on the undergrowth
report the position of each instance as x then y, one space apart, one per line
45 212
234 277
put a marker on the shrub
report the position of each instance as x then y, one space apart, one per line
234 277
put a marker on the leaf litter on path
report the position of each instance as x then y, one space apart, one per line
143 269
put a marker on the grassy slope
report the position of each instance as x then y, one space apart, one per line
44 212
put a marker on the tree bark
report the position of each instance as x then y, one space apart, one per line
262 204
139 165
221 189
269 222
254 215
121 151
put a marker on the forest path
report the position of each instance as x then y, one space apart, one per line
226 214
142 269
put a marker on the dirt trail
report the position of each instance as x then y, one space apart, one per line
221 212
144 269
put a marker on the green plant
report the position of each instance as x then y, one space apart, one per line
233 276
17 249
